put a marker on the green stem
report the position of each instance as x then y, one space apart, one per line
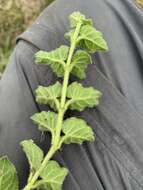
65 84
56 144
49 155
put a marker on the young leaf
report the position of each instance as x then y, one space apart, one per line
53 175
49 95
77 17
46 121
82 97
33 152
91 39
69 35
55 59
77 131
80 61
8 176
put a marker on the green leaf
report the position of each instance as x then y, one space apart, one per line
8 176
77 131
46 121
82 97
91 39
33 152
53 175
49 95
80 61
77 17
69 35
44 187
55 59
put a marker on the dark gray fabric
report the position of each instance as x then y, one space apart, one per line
115 160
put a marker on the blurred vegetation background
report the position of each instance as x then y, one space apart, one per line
15 17
139 3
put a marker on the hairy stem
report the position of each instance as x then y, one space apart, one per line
65 84
56 143
49 155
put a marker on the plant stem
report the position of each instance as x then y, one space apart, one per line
56 144
65 84
44 163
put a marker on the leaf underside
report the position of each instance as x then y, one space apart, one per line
53 176
55 59
91 39
46 121
8 176
80 60
77 131
82 97
77 17
33 153
49 95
